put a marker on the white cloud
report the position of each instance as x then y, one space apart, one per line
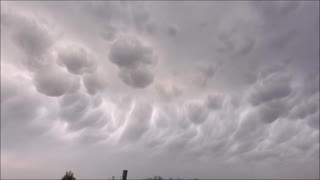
138 122
77 107
168 91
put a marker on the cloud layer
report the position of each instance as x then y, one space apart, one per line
229 92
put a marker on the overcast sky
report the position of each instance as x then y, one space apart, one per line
177 89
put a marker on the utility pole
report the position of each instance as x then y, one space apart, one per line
124 174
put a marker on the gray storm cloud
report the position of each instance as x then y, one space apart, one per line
130 53
197 113
275 86
215 101
138 78
53 82
76 59
230 92
95 83
133 59
30 36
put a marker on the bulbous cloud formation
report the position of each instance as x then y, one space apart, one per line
138 78
133 59
76 59
31 37
111 83
196 113
53 81
130 53
94 83
215 101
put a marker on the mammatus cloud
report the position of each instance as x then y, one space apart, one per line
229 92
53 81
31 37
215 101
274 86
95 82
130 53
76 59
197 113
133 59
138 78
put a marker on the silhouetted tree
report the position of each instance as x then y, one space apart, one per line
68 176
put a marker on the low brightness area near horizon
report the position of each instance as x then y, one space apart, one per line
193 89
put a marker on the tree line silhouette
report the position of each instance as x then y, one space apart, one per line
69 176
